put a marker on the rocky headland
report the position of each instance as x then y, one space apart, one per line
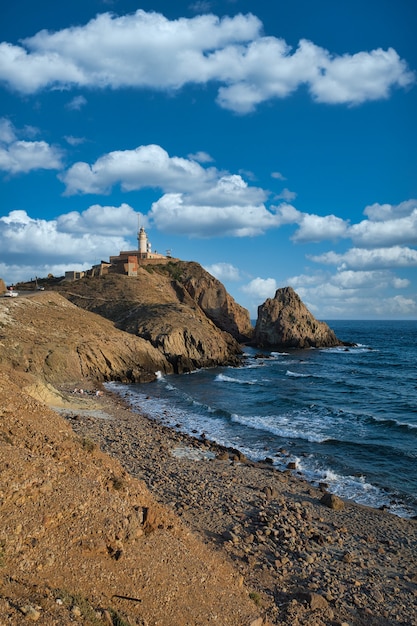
108 518
178 308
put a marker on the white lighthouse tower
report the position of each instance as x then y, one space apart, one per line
143 246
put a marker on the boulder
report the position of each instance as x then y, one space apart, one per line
2 286
285 322
332 502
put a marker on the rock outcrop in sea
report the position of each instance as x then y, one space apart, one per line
285 322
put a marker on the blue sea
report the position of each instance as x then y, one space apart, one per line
345 416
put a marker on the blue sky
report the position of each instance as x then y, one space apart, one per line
274 143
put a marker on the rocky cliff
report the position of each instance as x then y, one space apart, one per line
157 307
213 299
285 322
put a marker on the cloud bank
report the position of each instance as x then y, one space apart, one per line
146 50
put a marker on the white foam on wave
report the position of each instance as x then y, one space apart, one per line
354 488
297 374
222 378
393 420
290 426
282 426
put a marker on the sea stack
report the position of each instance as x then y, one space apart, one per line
285 322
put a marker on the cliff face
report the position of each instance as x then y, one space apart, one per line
157 307
217 304
285 322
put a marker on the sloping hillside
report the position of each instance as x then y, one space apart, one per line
83 542
47 336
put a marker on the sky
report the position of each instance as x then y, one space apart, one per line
275 143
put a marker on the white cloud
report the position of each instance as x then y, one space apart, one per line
74 141
388 233
102 220
176 213
391 225
146 50
77 103
400 283
201 157
145 167
20 156
201 6
354 295
53 243
357 78
349 279
286 195
278 176
198 201
317 228
224 271
32 268
261 288
397 306
226 190
382 212
7 131
361 258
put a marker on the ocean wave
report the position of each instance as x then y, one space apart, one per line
310 425
297 374
392 423
270 425
355 488
222 378
357 348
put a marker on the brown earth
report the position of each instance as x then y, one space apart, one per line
109 518
83 541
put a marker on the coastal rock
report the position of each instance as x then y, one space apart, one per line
2 286
332 502
285 322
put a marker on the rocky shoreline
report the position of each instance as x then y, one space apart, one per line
306 562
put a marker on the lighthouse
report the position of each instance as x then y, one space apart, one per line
142 242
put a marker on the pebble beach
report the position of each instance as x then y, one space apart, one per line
309 558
